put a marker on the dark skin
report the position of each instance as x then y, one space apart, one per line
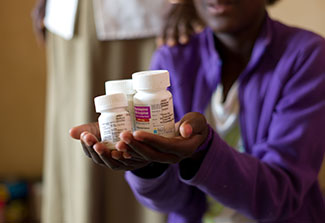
236 30
138 149
236 25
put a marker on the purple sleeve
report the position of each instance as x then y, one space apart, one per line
167 193
279 179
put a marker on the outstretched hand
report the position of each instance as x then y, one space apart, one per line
89 136
191 132
138 149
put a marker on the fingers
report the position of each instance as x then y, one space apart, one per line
184 33
85 149
126 137
198 26
193 123
106 157
182 22
177 1
88 141
186 130
101 154
176 146
171 36
140 148
147 152
127 152
93 128
193 131
114 159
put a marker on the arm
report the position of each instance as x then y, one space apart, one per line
279 179
165 192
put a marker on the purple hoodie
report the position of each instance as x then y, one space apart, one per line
282 119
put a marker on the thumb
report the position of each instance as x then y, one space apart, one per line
93 128
193 123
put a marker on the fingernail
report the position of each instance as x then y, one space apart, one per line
85 140
83 134
116 157
127 156
120 147
98 150
127 140
171 42
137 136
183 40
186 130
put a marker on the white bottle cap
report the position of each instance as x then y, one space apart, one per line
110 101
152 79
119 86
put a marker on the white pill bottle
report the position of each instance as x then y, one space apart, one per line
153 103
123 86
114 117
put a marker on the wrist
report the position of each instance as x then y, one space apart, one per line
190 166
150 171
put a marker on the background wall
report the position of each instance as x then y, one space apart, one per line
22 85
22 92
306 14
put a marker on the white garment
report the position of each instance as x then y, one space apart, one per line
223 117
114 19
225 114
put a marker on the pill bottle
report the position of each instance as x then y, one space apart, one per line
153 103
123 86
114 117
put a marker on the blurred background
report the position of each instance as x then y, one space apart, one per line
22 100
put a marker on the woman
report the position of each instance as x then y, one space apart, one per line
278 74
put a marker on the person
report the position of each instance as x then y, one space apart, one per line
87 43
272 76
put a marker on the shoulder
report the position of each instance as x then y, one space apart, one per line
300 60
293 49
182 61
182 54
295 39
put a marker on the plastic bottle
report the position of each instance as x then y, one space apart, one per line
114 117
123 86
153 103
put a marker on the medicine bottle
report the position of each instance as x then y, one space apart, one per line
123 86
114 117
153 103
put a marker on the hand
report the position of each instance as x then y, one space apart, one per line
89 136
192 131
38 15
182 21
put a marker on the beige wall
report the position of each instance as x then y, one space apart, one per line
22 85
309 14
22 91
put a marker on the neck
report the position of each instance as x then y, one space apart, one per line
238 46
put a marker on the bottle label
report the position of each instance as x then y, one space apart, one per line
156 118
110 129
